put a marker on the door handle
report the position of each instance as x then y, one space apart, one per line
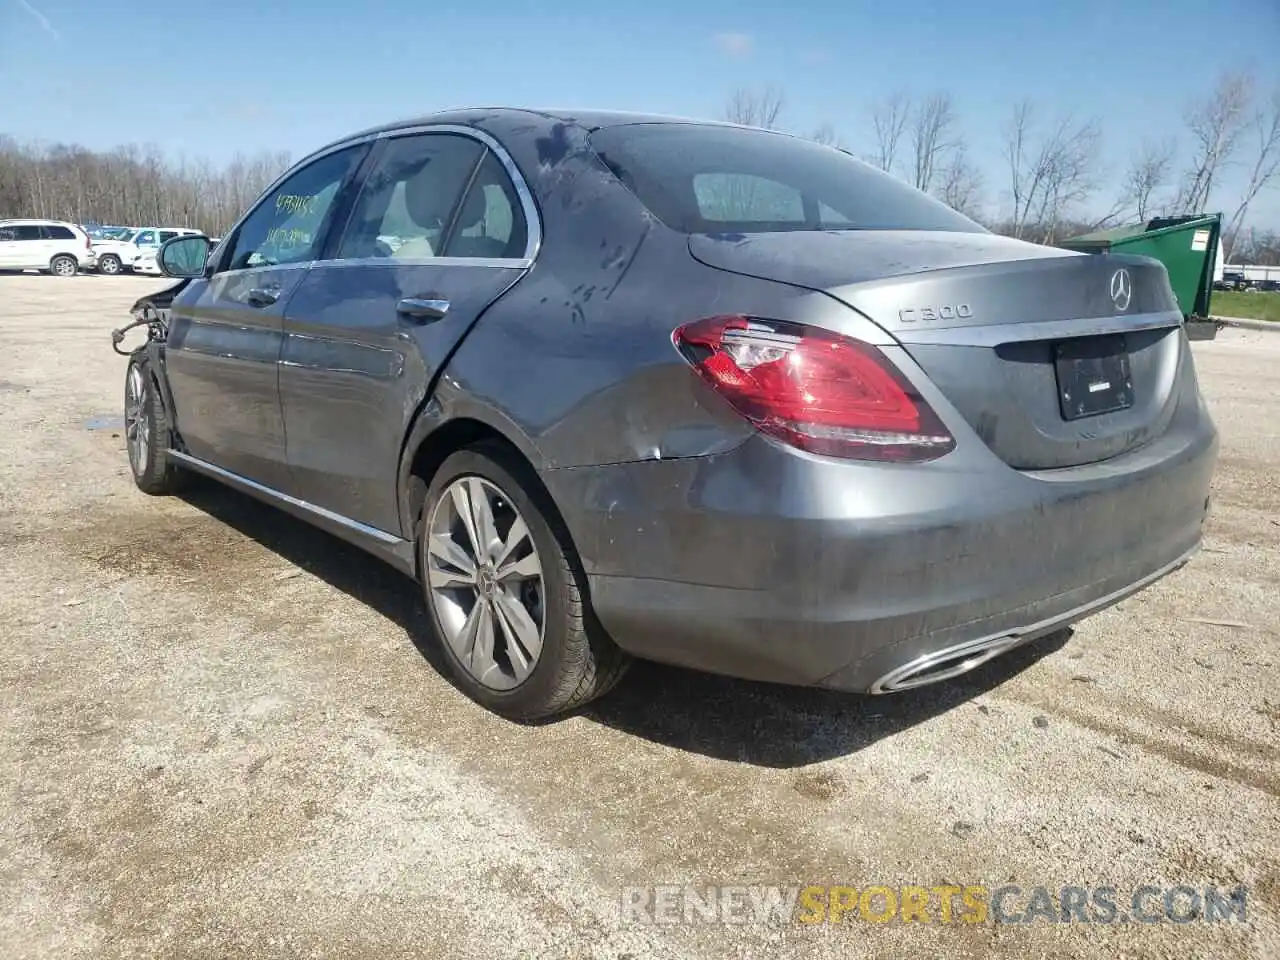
421 309
263 296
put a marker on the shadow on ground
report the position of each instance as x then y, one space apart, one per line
756 723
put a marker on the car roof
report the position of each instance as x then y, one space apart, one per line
498 118
40 220
590 119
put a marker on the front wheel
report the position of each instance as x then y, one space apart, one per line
146 427
109 265
506 593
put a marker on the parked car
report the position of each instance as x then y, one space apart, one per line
145 263
123 253
706 394
115 251
52 246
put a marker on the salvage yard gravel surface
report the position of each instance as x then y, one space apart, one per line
224 734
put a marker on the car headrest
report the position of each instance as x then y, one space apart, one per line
474 209
429 193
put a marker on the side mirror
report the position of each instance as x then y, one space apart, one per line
184 257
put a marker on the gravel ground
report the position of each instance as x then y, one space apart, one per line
224 736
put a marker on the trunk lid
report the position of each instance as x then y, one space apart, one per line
1054 358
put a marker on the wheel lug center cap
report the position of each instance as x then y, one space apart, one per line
485 580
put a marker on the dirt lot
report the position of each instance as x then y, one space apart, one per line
223 735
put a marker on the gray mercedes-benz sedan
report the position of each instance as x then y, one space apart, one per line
611 385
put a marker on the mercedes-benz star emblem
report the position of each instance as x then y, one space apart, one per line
1121 289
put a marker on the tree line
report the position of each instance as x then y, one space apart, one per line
1054 182
130 186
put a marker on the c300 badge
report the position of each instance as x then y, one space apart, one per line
946 311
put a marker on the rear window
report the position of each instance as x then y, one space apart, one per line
698 178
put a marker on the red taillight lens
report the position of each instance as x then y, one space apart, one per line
814 389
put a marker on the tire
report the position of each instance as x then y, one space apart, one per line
147 432
64 265
109 265
575 661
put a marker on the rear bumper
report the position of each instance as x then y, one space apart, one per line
766 564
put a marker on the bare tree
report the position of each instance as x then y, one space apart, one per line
1049 175
826 135
753 109
1017 147
1260 247
889 122
960 184
1216 125
1149 173
1265 166
932 138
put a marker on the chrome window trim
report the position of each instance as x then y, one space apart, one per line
513 262
294 265
533 222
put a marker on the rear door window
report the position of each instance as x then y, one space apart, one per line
410 197
145 238
27 231
490 223
703 178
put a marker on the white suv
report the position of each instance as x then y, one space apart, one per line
53 246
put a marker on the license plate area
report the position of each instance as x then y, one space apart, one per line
1093 376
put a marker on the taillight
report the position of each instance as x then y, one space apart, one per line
819 391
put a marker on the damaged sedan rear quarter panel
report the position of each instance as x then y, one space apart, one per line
584 360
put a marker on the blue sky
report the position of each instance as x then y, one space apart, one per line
291 75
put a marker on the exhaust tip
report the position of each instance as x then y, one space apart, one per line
944 664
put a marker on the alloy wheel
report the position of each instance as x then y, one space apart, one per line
137 426
484 578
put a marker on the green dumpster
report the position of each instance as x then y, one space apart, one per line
1188 248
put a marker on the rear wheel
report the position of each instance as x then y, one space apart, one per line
506 594
64 265
146 426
